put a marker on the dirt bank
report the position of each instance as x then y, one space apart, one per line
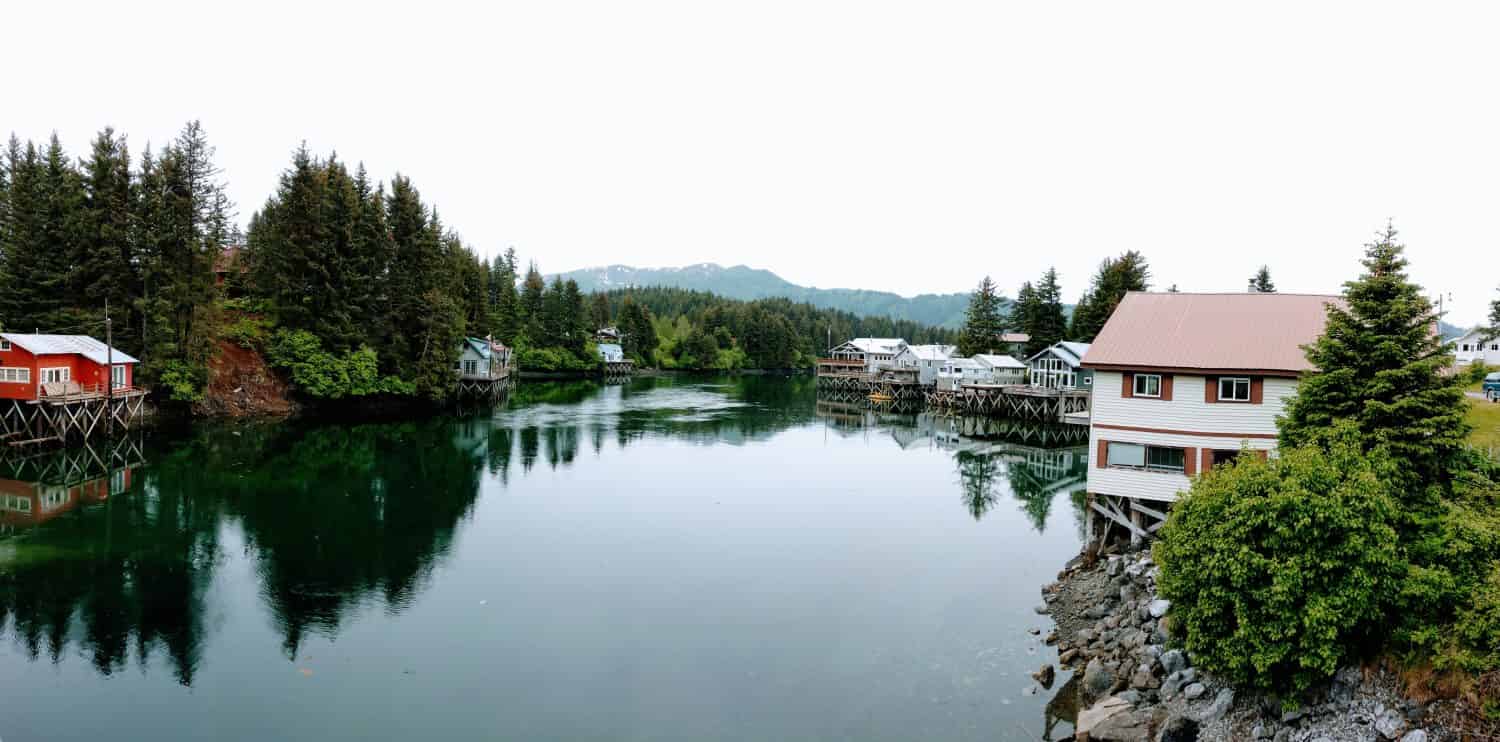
240 384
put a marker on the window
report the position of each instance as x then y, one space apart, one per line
1148 385
1149 458
1465 346
15 375
1234 389
56 375
471 367
117 376
4 344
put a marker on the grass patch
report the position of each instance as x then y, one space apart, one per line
1485 417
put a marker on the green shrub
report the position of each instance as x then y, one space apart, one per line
323 375
553 359
246 332
183 381
1280 570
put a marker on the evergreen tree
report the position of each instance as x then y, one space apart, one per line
532 310
1261 281
105 268
507 318
1024 312
372 254
1381 365
599 314
1049 323
33 283
983 322
1115 278
576 319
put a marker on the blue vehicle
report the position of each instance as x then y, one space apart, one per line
1492 387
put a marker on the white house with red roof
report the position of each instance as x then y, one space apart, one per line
1183 381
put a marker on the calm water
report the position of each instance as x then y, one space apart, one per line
664 560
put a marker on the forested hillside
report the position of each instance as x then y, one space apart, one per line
742 282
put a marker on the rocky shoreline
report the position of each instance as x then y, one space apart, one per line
1113 632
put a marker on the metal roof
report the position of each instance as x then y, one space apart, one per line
1249 331
1070 352
994 361
878 345
931 352
82 345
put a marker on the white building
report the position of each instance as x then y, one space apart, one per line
872 352
926 359
1473 346
959 371
1060 366
1002 369
1183 381
611 352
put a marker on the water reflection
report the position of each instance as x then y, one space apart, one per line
125 556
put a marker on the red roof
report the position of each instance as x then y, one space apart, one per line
1218 332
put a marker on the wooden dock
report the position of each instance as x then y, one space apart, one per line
72 414
483 386
1017 401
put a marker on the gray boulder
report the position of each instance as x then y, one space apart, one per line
1415 735
1220 706
1173 660
1193 691
1042 609
1159 607
1096 679
1178 729
1176 681
1391 724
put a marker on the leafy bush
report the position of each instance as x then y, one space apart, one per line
553 359
323 375
1280 570
246 332
183 381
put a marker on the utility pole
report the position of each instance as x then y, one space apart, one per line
109 370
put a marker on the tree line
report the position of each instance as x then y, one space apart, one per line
138 235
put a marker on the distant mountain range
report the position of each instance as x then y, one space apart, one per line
743 282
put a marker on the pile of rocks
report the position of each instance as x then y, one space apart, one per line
1112 627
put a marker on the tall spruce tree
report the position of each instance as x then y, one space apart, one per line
532 310
983 322
1115 278
1024 312
33 279
1380 363
1049 323
507 315
105 266
599 312
1261 281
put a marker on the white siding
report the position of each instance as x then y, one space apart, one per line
1186 411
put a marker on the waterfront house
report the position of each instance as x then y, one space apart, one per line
1002 369
611 353
926 359
1060 366
1183 381
483 359
956 372
1475 346
871 352
1014 343
41 366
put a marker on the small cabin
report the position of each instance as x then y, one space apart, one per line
1059 366
926 359
483 359
41 366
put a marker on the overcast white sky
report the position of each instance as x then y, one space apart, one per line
910 147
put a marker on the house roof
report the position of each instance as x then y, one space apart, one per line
964 363
877 345
82 345
1070 352
931 352
1240 332
994 361
480 346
